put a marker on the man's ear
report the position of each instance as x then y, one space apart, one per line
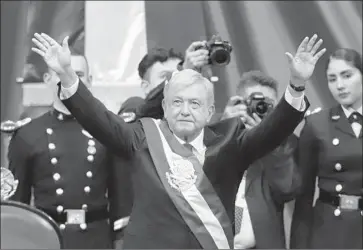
211 111
144 85
163 104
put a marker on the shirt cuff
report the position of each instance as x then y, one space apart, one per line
297 103
66 93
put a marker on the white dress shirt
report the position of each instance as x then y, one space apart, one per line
355 125
245 238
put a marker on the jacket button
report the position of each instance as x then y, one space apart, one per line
338 188
89 174
338 166
51 146
337 212
335 141
84 206
83 226
54 161
59 191
62 226
49 131
90 158
56 177
60 209
87 189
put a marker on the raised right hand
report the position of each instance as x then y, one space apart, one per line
57 57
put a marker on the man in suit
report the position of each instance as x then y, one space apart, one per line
271 181
65 168
185 177
154 69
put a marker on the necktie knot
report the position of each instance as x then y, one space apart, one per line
355 117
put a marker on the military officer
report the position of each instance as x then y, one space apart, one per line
330 150
64 166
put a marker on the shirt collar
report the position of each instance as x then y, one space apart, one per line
349 111
197 143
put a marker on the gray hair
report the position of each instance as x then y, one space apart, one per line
186 77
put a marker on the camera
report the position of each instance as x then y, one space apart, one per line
219 51
259 104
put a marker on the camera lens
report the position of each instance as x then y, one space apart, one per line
261 108
220 56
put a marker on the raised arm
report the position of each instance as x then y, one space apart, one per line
289 112
104 125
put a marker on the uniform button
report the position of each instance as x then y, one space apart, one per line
89 174
337 212
49 131
56 176
60 117
87 189
361 213
59 191
91 150
54 161
338 187
91 143
90 158
84 206
83 226
338 166
335 141
60 209
51 146
62 226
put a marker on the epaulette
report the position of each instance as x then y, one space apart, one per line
10 126
128 116
308 112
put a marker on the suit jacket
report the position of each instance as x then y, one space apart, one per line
270 182
329 150
155 222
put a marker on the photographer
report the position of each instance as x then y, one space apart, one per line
266 187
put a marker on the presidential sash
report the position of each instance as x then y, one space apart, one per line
188 187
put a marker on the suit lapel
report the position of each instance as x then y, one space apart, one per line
340 121
211 141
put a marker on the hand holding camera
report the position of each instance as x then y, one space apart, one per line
196 59
252 110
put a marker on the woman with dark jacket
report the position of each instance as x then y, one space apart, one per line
330 150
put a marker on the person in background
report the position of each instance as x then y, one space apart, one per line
65 168
330 150
271 181
154 69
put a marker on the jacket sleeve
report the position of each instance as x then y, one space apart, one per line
308 165
20 166
274 129
120 137
282 172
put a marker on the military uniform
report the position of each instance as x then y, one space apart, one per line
68 171
330 150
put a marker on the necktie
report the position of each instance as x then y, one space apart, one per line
356 120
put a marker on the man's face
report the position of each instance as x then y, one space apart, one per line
158 73
79 64
187 109
266 91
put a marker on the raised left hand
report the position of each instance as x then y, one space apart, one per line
302 65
